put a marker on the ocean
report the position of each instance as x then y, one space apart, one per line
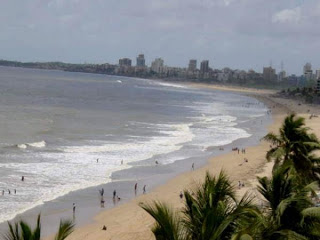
69 131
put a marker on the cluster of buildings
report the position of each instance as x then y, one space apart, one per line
203 72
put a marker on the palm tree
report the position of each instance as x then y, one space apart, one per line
168 224
291 214
294 146
211 212
22 231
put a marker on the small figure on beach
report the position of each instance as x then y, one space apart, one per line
181 195
102 203
157 163
2 192
118 198
74 210
192 167
101 192
239 184
121 162
104 228
22 178
238 150
144 189
135 188
15 191
114 194
9 191
101 197
97 160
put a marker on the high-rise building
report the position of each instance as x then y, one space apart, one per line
157 65
141 62
307 71
317 74
318 85
307 68
125 62
269 74
282 75
192 65
204 66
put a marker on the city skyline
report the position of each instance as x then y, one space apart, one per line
243 34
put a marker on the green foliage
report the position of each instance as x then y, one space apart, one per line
66 227
168 224
295 146
22 231
210 212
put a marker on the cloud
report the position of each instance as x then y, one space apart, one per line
287 16
236 33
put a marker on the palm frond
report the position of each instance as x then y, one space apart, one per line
66 227
167 222
13 233
26 231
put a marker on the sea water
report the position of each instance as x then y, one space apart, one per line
68 131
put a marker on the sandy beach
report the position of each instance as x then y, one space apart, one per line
129 221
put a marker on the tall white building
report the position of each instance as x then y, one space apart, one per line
307 71
282 75
317 74
157 65
307 68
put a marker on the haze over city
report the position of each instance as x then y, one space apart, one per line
240 34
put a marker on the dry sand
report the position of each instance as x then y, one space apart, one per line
129 221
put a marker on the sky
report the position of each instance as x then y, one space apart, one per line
240 34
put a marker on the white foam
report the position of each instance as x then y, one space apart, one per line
40 144
22 146
172 85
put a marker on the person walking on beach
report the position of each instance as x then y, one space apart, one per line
9 191
74 210
192 167
144 189
135 188
181 195
2 192
114 194
22 178
15 191
97 160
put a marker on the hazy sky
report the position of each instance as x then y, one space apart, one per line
240 34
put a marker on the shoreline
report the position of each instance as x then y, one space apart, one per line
129 221
87 200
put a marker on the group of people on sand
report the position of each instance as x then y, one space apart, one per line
116 198
243 150
240 184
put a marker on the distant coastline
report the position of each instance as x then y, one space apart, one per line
141 72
